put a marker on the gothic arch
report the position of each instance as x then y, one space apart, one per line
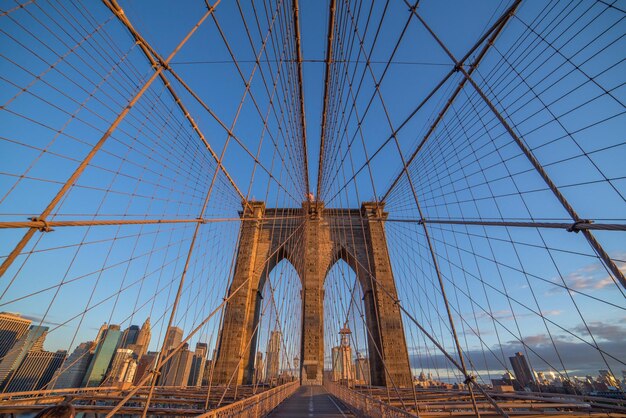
339 253
281 255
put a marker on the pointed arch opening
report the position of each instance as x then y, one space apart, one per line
279 326
346 344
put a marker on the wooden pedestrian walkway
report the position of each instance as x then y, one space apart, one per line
311 401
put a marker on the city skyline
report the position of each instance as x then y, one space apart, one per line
115 357
174 337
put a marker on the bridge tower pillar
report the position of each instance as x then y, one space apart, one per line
237 346
316 259
388 354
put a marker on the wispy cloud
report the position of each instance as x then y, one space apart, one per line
589 277
507 315
602 330
39 319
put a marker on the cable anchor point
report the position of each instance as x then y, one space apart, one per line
43 228
470 379
575 227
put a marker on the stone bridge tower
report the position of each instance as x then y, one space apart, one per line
316 237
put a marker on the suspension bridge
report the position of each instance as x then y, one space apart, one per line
336 208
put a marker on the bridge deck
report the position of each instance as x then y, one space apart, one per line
311 401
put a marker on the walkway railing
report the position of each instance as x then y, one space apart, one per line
363 405
257 405
35 395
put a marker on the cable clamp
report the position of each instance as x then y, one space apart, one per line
155 372
575 227
45 227
420 221
457 67
470 379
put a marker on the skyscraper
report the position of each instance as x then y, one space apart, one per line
30 341
173 337
259 368
36 371
362 369
606 377
345 353
201 350
129 336
197 365
12 327
120 366
176 370
72 371
106 345
146 363
336 363
273 356
522 372
141 343
128 374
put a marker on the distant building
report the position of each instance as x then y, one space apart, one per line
541 379
336 363
345 353
146 363
122 364
606 377
106 344
202 349
197 365
342 367
36 371
142 340
30 341
173 338
508 378
129 336
259 368
129 373
12 327
72 372
273 356
522 372
362 370
175 371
